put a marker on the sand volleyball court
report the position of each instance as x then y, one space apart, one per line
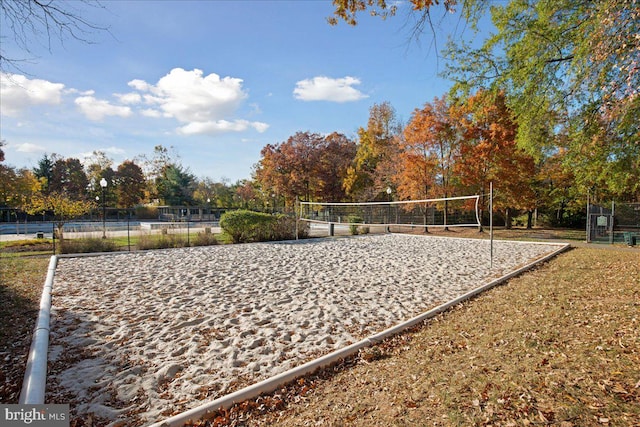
137 337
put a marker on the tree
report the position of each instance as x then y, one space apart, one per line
433 126
488 152
558 190
568 67
431 144
62 206
154 168
347 10
288 168
365 178
247 194
307 165
44 171
2 143
96 164
337 155
29 21
130 184
176 185
68 176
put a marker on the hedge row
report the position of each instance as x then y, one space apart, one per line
248 226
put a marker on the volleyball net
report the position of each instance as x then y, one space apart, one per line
444 212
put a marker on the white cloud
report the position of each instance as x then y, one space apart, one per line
18 93
140 85
205 104
129 98
28 147
98 109
150 112
221 126
327 89
259 126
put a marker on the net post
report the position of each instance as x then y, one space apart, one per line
295 214
491 225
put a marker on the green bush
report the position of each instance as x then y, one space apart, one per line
205 238
161 241
88 245
248 226
354 228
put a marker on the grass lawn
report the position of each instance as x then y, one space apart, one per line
559 345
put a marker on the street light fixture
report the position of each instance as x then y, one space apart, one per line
103 184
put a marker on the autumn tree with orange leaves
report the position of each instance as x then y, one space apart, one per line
307 165
429 149
488 153
372 169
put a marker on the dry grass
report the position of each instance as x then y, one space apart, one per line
21 281
558 346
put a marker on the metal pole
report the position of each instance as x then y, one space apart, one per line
104 211
613 216
491 224
588 218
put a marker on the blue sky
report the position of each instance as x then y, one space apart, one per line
217 80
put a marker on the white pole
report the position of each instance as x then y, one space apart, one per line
491 223
295 214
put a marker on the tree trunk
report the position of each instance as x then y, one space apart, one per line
59 231
529 220
507 219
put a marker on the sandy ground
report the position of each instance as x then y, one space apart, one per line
141 336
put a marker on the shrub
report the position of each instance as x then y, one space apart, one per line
245 226
354 228
88 245
248 226
205 238
161 241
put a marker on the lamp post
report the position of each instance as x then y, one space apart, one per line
103 184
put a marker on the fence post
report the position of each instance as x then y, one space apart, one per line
53 236
129 233
588 218
613 217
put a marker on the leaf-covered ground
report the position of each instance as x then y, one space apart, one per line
557 346
21 282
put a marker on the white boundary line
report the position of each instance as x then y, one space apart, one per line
275 382
35 375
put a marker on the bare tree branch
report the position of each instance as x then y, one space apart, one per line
28 22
